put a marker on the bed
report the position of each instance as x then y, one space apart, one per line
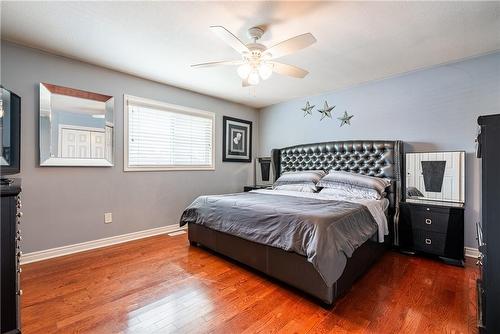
251 227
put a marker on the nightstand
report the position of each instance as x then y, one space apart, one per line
250 188
434 228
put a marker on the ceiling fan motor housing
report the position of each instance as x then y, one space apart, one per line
255 33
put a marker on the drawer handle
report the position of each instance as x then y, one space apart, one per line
428 221
428 241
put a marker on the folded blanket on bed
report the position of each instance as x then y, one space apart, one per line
326 232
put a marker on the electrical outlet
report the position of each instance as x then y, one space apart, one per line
108 218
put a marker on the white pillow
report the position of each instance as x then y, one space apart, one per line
352 192
337 179
306 188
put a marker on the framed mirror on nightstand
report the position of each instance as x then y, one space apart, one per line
432 215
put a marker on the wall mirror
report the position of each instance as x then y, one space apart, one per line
76 127
438 176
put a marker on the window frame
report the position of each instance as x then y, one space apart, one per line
167 107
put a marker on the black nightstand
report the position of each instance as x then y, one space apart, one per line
249 188
435 228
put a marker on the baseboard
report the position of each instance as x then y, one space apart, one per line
93 244
471 252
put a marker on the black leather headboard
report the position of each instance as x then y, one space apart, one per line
380 158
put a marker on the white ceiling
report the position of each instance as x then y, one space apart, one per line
357 41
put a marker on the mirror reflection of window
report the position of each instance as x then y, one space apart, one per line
436 176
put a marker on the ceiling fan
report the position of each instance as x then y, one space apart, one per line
257 61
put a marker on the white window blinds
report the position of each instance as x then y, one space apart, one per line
162 136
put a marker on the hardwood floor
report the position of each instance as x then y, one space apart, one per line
162 285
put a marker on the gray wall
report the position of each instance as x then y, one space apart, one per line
66 205
433 109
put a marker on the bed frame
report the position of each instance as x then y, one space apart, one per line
369 157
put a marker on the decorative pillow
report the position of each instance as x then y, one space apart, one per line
352 191
334 178
307 178
306 188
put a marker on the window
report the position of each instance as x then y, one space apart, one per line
160 136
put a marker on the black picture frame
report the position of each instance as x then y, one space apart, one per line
231 152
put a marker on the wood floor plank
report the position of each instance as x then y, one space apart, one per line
163 285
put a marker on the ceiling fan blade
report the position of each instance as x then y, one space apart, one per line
244 83
219 63
291 45
290 70
229 38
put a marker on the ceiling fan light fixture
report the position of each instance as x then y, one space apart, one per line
244 70
265 70
253 78
257 61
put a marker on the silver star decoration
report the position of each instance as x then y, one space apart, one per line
326 111
345 119
307 109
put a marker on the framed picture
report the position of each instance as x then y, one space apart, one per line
236 140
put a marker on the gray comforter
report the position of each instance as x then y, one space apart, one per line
325 231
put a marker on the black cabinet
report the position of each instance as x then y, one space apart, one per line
489 229
10 254
434 228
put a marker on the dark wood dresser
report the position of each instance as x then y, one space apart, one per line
10 254
434 228
489 229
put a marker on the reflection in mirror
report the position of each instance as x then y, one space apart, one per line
76 127
5 127
436 176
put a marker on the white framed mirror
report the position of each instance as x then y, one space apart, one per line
435 176
76 127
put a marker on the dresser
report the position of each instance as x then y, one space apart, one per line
10 254
433 228
489 228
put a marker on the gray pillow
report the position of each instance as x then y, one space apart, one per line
306 178
334 178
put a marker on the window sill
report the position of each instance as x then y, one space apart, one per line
167 169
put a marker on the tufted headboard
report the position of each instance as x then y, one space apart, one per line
380 158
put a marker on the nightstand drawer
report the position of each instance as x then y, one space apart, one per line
429 242
431 220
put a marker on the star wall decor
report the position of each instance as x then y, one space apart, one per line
307 109
345 119
326 111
